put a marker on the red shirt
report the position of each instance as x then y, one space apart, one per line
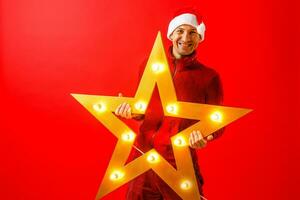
193 82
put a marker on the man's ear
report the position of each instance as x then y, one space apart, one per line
200 37
171 37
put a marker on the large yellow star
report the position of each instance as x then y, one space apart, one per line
211 118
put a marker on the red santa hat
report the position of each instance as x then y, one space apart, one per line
187 16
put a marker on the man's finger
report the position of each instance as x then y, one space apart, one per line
129 113
210 137
200 136
194 138
122 109
126 110
191 141
202 143
117 112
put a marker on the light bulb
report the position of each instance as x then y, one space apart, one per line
180 141
185 185
140 106
152 157
157 67
216 116
171 108
99 107
128 136
116 175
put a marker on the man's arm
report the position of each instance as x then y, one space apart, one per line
214 96
124 109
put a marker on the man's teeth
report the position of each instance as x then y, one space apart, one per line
182 44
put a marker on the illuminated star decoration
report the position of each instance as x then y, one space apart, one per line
211 118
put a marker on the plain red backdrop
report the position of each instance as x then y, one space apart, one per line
52 148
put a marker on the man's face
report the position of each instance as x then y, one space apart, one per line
185 39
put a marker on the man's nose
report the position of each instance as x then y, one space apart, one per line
185 37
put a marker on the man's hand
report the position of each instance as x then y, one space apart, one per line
197 140
124 110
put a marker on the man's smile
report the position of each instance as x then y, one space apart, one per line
184 45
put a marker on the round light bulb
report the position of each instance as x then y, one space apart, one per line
99 107
152 158
216 117
185 185
128 137
116 175
140 106
157 67
179 141
171 109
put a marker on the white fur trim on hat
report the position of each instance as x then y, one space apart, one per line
189 19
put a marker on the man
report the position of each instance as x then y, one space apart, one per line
193 82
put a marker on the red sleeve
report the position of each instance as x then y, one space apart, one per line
214 91
140 74
214 96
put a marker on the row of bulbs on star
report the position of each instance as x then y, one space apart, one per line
152 158
129 137
100 107
117 175
172 109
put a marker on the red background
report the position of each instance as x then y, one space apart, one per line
52 148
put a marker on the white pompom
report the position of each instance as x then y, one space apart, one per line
201 30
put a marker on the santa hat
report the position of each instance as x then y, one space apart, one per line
189 17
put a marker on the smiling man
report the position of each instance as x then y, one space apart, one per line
193 82
185 40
